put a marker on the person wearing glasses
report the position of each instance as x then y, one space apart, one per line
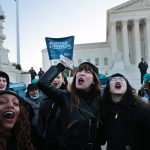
125 117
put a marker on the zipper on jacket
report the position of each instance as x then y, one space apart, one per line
90 124
72 123
46 126
87 112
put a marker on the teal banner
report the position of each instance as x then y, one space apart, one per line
58 46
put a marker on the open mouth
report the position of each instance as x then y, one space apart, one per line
8 115
55 84
118 86
80 81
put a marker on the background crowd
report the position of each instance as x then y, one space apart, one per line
92 110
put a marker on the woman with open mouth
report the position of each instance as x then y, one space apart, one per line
14 123
80 106
125 117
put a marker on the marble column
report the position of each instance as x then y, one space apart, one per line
113 39
125 42
148 38
2 36
137 40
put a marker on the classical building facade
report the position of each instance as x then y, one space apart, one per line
128 30
128 39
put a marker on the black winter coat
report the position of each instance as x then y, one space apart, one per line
143 66
128 129
49 123
79 124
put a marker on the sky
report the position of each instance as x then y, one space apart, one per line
84 19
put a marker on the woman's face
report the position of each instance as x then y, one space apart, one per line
57 82
9 110
84 80
118 85
3 83
34 92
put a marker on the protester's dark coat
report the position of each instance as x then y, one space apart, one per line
128 128
32 108
33 74
49 123
143 66
40 73
79 124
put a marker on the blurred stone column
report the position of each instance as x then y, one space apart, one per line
148 38
2 36
125 42
113 39
137 40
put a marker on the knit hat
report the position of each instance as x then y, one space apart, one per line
146 78
10 92
91 65
34 81
103 78
5 75
32 86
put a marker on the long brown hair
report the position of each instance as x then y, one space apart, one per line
95 87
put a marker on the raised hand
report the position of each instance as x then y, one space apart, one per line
66 62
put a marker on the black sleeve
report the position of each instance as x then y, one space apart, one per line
146 116
45 86
140 93
139 65
147 65
50 75
145 121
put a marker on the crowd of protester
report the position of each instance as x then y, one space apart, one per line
95 110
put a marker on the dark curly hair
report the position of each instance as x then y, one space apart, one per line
20 133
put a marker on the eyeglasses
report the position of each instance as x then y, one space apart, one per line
114 79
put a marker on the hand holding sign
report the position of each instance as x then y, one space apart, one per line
66 62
